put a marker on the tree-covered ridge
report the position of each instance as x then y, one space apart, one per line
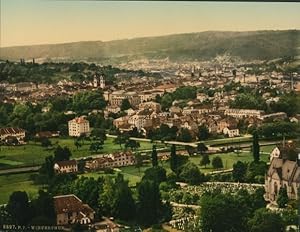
50 72
246 45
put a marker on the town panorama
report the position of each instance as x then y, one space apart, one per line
194 132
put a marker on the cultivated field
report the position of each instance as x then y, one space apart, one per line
34 154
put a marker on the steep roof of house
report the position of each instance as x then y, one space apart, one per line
66 163
70 203
11 130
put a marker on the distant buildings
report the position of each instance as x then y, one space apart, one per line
274 116
68 166
119 159
99 81
231 132
9 133
79 126
243 113
22 87
69 209
115 98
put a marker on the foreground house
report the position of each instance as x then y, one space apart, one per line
68 166
282 173
69 209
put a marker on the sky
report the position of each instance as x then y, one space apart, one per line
30 22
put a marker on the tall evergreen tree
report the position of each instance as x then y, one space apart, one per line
149 203
255 147
107 197
205 160
19 208
283 198
174 159
154 156
124 205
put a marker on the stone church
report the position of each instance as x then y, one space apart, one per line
282 173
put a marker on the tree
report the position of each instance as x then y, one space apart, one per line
217 162
239 171
124 205
47 168
248 101
283 198
88 100
133 144
221 213
18 207
94 147
121 139
256 171
205 160
45 142
138 161
5 217
98 134
88 190
203 132
77 143
255 147
154 156
257 199
174 159
149 203
201 148
125 105
107 197
265 221
166 101
185 135
62 154
156 174
135 133
191 174
43 207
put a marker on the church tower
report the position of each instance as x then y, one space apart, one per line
95 81
102 82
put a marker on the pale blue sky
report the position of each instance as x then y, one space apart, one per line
25 22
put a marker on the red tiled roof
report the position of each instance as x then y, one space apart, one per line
11 130
70 203
66 163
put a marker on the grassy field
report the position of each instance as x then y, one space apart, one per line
133 175
16 182
21 182
247 138
33 154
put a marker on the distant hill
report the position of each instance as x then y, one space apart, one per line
203 45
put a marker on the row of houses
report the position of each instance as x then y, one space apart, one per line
146 119
118 159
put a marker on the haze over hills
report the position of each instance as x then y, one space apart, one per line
251 45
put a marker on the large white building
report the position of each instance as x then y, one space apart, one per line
79 126
67 166
243 113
